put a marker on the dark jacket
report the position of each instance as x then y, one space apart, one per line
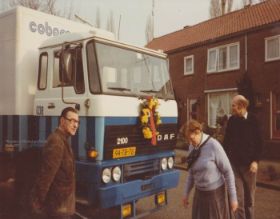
243 140
54 189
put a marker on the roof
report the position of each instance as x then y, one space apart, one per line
99 37
251 17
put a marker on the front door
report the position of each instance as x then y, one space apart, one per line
275 115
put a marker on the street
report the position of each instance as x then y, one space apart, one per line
267 203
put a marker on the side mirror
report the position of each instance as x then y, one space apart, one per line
66 67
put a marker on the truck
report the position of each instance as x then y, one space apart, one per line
124 147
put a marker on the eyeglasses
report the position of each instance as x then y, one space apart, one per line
72 121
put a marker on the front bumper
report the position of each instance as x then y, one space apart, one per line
121 193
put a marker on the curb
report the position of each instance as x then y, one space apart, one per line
268 186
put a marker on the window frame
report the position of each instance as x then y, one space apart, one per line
266 48
40 72
79 63
192 65
193 113
216 67
73 83
94 80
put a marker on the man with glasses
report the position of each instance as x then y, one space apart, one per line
53 194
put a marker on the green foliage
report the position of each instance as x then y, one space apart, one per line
217 133
245 88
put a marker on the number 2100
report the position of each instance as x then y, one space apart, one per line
122 140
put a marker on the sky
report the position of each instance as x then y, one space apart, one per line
169 15
130 16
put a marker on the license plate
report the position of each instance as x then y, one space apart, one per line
124 152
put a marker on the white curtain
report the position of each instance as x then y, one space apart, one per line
219 105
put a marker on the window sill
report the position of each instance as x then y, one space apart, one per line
224 71
188 74
272 60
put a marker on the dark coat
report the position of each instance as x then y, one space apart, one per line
243 140
54 189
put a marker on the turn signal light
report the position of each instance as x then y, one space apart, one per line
92 153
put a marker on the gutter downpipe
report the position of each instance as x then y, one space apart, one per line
246 54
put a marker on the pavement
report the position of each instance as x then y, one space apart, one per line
268 173
267 204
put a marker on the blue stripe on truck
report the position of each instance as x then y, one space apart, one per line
42 129
134 120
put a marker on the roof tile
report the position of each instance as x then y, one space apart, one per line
241 20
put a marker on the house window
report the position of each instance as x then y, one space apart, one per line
219 107
188 65
276 115
223 58
212 60
272 48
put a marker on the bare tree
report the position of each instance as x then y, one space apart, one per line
48 6
68 12
97 18
1 6
149 29
33 4
215 9
111 23
119 27
150 25
223 6
4 5
220 7
250 2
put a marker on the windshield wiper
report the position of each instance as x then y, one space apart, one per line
119 88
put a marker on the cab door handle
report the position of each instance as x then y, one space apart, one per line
51 105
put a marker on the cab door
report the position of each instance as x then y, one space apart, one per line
57 90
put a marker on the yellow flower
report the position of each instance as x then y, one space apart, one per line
152 103
158 120
145 116
147 133
148 108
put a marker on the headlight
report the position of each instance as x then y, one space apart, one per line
106 175
163 163
170 162
117 173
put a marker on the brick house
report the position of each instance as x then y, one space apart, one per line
207 61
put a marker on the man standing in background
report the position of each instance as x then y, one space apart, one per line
243 145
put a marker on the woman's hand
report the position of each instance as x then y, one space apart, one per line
254 167
234 206
186 202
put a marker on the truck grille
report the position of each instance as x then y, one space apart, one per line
141 170
134 136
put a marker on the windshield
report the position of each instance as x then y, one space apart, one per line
132 73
